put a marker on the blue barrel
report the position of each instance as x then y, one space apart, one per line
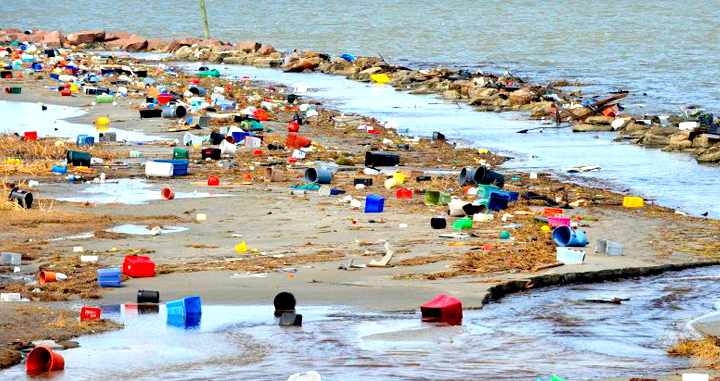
109 277
565 236
319 175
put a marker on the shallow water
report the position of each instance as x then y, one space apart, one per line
665 49
672 179
545 331
122 191
134 229
19 117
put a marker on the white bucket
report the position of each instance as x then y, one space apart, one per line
227 148
157 169
455 207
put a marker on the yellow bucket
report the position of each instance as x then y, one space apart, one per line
633 202
399 178
380 78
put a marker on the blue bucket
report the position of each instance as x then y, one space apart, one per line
109 277
498 201
565 236
319 175
374 203
185 312
239 136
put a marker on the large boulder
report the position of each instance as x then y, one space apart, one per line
303 64
248 46
86 37
156 44
53 39
599 119
478 95
133 43
112 36
521 97
702 141
711 155
655 140
184 52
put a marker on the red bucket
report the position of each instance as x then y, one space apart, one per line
30 135
213 181
164 99
404 194
138 266
167 193
90 313
43 359
296 141
442 309
293 126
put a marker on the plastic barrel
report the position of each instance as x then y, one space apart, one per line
284 302
148 296
109 277
23 197
381 159
319 175
158 169
78 158
174 111
565 236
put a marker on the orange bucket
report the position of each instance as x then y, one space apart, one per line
47 277
43 359
167 193
296 141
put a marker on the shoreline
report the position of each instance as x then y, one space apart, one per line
320 281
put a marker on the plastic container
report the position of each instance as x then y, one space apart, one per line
463 223
148 296
60 169
167 193
404 194
374 203
13 90
90 313
381 159
138 266
558 221
78 158
432 197
211 153
10 259
180 167
180 153
42 359
552 212
613 249
498 201
158 169
107 137
239 136
318 175
104 98
150 113
365 182
30 135
569 256
294 140
213 181
23 197
164 99
174 111
84 140
184 312
438 223
565 236
481 175
442 309
633 202
109 277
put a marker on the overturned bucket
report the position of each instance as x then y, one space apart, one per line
173 111
23 197
319 175
42 359
565 236
481 175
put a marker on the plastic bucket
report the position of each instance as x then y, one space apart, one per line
148 296
432 197
84 140
381 159
438 223
213 181
319 175
23 197
565 236
78 158
180 153
90 313
558 221
150 113
174 111
30 135
180 167
43 359
374 203
158 169
211 153
498 201
167 193
45 277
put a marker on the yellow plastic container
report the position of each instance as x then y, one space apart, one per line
633 202
74 88
399 178
381 78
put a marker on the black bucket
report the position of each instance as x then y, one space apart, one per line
366 182
148 309
381 159
471 209
438 223
24 198
210 153
148 296
290 319
438 136
78 158
151 113
216 138
481 175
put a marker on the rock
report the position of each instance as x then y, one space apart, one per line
133 43
112 36
585 127
372 70
266 49
537 109
655 140
451 94
184 53
479 95
521 97
599 119
248 46
302 65
702 141
174 45
422 90
156 44
711 155
235 60
53 39
86 37
267 62
69 344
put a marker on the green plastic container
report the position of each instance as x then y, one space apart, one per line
104 98
463 223
14 90
432 197
180 153
484 190
444 198
135 154
209 73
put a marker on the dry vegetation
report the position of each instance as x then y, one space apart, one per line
705 352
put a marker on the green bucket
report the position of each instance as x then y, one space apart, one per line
463 223
432 197
104 98
180 153
484 190
444 198
209 73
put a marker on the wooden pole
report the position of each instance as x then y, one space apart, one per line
203 11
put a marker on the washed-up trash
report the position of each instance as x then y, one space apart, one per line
90 313
45 277
213 181
30 135
201 217
482 217
109 277
305 376
570 256
78 158
583 168
464 223
10 259
442 309
185 312
695 377
138 266
565 236
558 221
438 223
381 159
374 203
633 202
42 359
385 261
88 258
148 296
241 248
167 193
290 319
481 175
319 175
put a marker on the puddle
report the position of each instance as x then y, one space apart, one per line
542 332
125 191
626 166
19 117
143 229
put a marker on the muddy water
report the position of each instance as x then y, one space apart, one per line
554 330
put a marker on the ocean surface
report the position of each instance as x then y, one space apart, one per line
665 49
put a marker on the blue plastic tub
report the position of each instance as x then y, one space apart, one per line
513 195
109 277
565 236
180 167
239 136
85 140
374 203
498 201
185 312
61 169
